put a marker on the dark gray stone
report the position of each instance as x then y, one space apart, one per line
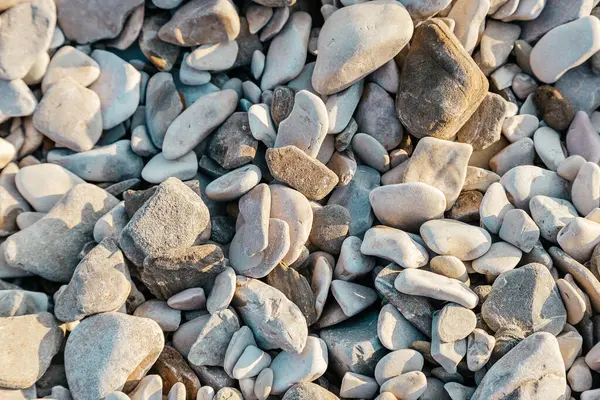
376 116
232 145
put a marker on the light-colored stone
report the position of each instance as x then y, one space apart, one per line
479 349
394 245
526 181
72 63
548 147
159 169
394 331
585 191
468 16
448 237
579 237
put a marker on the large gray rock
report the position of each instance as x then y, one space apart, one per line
532 370
437 67
526 299
25 31
308 391
356 336
88 21
381 28
173 217
112 163
110 351
27 344
275 321
99 284
50 247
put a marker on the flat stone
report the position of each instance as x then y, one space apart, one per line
394 245
554 14
397 363
163 106
113 163
554 108
377 117
340 63
526 181
218 19
55 115
17 99
100 283
450 267
504 308
29 343
457 96
117 87
17 302
421 283
186 335
213 57
173 270
50 247
352 298
261 124
222 291
484 126
110 351
287 52
468 17
234 184
455 323
341 107
557 41
157 310
548 147
275 24
293 208
282 103
447 354
188 300
574 303
272 328
519 153
394 331
306 126
208 112
27 29
532 366
191 76
479 349
447 237
585 192
258 16
307 390
551 215
519 126
159 169
497 42
142 237
410 385
448 171
425 202
211 345
72 63
578 86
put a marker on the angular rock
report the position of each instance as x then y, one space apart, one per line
296 288
519 230
457 95
484 126
161 54
551 215
211 345
479 350
232 145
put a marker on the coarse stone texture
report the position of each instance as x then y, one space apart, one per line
294 167
275 321
533 368
296 288
485 125
232 145
441 164
454 97
28 344
110 351
211 344
180 214
161 54
505 308
554 108
330 228
382 29
308 391
202 22
50 247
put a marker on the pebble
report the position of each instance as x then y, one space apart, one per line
450 267
376 116
407 386
583 139
12 203
159 169
548 147
447 237
211 344
554 14
395 332
551 215
213 57
351 297
29 343
291 368
287 52
533 365
519 230
275 24
330 228
134 344
479 349
163 106
218 20
240 340
72 63
352 263
468 17
234 184
258 16
232 145
574 303
394 245
187 300
184 133
553 107
585 193
586 29
497 42
307 390
455 323
55 115
70 224
150 387
17 99
526 181
433 40
484 127
222 292
397 363
519 153
519 127
358 386
263 384
167 318
252 361
306 126
578 87
424 283
126 38
261 124
112 163
579 237
43 185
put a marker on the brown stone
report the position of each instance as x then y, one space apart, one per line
172 368
296 288
553 108
178 269
330 228
295 168
466 208
232 145
440 86
162 54
202 22
283 103
485 125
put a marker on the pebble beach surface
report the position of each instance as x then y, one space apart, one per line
299 199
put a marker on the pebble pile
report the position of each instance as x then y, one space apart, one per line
299 199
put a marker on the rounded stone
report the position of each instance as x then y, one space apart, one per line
447 237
